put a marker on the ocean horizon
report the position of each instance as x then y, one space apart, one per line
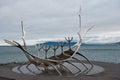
101 53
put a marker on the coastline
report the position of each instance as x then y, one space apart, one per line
112 72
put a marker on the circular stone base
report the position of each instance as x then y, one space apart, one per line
32 70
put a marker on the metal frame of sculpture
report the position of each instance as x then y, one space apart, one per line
56 60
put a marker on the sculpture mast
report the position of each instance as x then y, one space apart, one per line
80 19
23 34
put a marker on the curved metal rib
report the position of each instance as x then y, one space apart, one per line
88 62
82 64
55 68
75 67
66 68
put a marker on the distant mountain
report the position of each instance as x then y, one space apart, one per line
116 43
93 44
56 43
72 43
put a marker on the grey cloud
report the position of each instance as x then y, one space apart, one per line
4 3
46 18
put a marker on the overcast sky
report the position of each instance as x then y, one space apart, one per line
58 18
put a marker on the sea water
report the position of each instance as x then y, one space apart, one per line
102 53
